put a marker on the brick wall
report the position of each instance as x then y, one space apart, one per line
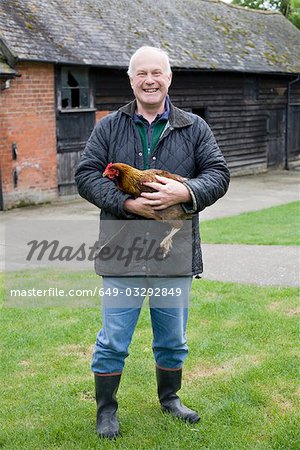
27 118
101 114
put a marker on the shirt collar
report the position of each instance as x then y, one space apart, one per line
163 116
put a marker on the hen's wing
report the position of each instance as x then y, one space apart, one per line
149 175
164 173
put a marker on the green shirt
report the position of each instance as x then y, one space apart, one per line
150 134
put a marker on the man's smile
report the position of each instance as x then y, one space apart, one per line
152 90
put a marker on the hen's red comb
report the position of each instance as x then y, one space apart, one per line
108 166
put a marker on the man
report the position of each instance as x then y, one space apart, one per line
148 133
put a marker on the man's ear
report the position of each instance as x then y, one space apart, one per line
170 78
131 81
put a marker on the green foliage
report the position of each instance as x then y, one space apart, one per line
294 15
289 8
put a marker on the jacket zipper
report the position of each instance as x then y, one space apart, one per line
167 130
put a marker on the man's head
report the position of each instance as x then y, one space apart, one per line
150 77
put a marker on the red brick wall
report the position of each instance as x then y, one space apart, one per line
100 114
27 118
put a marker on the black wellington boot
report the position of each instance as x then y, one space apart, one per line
106 387
168 383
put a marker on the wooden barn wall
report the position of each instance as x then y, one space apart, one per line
112 89
295 93
246 113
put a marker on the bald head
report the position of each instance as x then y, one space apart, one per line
145 51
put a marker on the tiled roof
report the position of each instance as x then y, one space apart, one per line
197 34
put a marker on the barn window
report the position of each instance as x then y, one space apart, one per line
200 112
250 89
74 88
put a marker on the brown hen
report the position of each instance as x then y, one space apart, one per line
131 181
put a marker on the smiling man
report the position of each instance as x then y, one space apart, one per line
150 132
150 79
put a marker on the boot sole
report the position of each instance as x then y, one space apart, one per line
109 436
191 420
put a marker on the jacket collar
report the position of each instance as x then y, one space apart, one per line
177 118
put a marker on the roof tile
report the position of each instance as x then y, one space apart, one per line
197 34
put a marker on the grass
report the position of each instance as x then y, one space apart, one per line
241 375
278 225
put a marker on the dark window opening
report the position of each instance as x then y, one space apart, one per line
250 89
200 112
74 88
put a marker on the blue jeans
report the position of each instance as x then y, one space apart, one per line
121 306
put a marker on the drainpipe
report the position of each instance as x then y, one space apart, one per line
286 166
1 194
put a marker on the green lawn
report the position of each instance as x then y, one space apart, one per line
279 225
241 375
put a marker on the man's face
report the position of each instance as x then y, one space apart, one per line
150 80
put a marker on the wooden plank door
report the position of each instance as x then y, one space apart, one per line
294 132
276 137
73 131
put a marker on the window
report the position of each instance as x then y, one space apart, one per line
250 89
74 88
200 112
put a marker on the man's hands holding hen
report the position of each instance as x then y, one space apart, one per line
168 192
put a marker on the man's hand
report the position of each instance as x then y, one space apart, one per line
169 192
141 207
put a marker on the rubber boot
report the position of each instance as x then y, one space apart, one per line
168 383
106 387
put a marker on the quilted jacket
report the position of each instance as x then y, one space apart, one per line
187 147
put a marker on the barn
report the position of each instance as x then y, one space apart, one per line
63 67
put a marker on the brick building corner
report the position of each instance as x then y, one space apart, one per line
28 158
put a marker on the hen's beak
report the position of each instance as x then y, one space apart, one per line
104 174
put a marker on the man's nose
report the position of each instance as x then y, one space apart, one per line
149 78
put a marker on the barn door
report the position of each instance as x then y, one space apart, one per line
294 132
276 137
73 130
75 120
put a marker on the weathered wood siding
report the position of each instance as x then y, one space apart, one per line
112 89
246 113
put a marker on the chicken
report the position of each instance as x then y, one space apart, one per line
130 180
